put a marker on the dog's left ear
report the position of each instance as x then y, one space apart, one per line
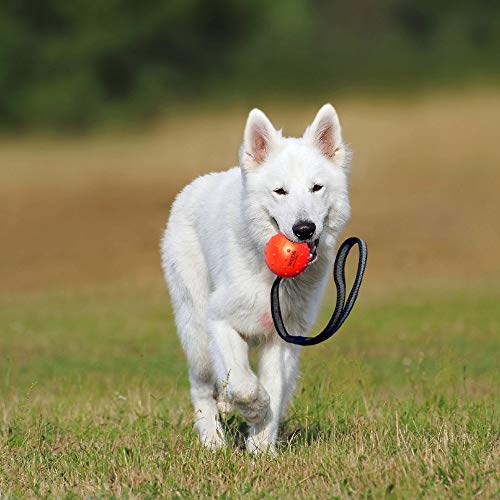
325 132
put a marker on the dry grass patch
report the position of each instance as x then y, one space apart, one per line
424 192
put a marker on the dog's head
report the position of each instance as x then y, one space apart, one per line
296 186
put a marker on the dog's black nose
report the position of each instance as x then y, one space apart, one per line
304 229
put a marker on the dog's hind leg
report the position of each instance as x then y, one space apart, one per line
194 339
207 421
188 285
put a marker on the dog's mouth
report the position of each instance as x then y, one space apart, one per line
313 245
313 248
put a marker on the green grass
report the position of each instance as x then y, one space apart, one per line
402 402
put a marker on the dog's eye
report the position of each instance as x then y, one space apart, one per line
316 187
280 191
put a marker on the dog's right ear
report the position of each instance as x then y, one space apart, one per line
258 140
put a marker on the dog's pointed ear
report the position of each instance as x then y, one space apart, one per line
325 132
258 140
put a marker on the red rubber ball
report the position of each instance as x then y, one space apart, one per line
286 258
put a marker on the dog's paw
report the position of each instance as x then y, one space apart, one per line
252 401
211 436
256 446
262 438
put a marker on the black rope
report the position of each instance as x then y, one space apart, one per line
342 307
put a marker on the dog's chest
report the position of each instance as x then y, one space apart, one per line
252 316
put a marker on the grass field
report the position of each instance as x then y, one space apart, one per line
402 402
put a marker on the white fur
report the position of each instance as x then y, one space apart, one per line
213 258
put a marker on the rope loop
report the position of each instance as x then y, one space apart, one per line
343 307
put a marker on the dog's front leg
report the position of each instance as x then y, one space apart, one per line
278 363
235 377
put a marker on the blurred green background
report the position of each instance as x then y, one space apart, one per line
72 65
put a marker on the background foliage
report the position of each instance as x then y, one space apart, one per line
75 64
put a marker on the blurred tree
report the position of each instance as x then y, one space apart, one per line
70 65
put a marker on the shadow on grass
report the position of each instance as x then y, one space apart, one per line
235 430
293 432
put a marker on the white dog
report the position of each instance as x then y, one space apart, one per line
213 258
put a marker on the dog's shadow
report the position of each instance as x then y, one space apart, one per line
293 433
235 429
